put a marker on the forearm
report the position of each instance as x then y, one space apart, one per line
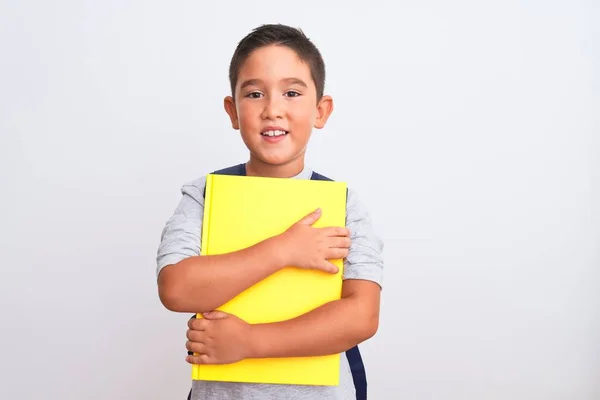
203 283
332 328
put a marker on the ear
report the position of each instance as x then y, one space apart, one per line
231 110
324 110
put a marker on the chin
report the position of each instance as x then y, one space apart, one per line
276 161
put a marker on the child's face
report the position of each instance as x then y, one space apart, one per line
275 92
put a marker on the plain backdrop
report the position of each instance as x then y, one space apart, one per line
470 130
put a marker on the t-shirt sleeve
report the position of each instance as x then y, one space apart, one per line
181 235
364 260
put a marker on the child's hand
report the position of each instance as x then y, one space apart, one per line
218 338
307 247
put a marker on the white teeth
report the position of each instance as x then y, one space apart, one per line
273 133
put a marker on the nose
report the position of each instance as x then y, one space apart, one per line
273 108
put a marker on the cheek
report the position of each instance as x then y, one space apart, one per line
304 116
246 114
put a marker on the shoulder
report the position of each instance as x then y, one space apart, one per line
194 189
357 212
353 198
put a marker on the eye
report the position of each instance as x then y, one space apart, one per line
292 93
254 95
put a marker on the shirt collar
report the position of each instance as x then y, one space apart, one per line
306 173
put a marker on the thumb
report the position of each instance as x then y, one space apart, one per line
311 218
215 315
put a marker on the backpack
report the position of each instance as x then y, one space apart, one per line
353 355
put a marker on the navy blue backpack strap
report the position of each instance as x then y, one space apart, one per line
318 177
359 374
239 169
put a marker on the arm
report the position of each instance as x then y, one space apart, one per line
332 328
342 324
203 283
221 338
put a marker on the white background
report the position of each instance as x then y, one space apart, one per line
470 129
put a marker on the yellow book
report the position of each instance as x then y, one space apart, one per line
241 211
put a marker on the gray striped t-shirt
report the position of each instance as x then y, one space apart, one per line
181 239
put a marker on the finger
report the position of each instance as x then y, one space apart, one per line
198 324
336 231
196 336
337 253
329 267
311 218
215 315
199 359
196 347
340 242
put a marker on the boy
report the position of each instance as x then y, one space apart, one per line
277 78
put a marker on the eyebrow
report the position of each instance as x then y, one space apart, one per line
295 81
289 81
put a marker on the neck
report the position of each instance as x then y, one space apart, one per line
255 167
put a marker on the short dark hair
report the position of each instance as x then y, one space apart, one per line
283 35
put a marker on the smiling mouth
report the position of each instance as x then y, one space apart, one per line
274 133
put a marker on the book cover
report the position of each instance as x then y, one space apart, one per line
239 212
